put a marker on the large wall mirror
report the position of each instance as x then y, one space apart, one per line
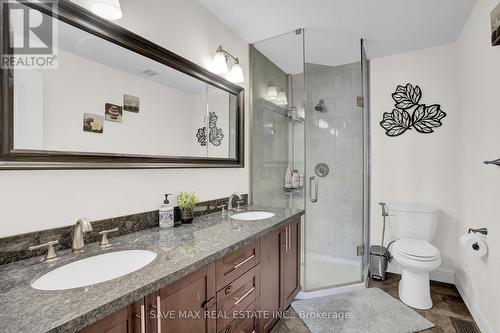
115 100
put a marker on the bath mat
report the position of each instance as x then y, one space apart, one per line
370 311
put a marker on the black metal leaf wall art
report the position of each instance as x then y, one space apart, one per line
424 118
215 135
201 136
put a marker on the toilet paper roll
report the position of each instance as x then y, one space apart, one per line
474 244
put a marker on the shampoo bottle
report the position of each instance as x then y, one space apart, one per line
295 179
166 213
288 178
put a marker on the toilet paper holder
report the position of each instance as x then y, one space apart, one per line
483 231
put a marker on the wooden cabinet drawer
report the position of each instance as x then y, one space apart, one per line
232 266
237 296
246 323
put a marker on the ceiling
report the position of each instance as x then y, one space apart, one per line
333 28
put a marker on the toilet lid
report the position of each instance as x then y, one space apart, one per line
416 248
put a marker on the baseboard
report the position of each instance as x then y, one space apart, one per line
478 315
440 275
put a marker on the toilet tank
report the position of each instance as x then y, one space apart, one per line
413 221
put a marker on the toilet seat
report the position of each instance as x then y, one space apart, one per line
417 258
415 249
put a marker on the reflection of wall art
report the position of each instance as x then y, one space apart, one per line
495 26
113 112
202 136
130 103
423 119
215 135
93 123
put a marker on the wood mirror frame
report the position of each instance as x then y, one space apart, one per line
68 12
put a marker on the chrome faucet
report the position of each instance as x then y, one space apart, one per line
230 201
81 226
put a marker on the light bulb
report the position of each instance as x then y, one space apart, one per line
108 9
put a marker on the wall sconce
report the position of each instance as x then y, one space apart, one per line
282 98
108 9
276 95
219 64
272 94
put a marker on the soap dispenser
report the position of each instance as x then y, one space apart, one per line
166 215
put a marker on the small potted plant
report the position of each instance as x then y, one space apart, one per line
187 201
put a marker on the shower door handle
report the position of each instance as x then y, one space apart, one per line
313 180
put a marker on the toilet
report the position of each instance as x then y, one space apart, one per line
414 227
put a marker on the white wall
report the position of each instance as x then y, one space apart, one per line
445 168
35 200
479 140
165 125
415 167
50 104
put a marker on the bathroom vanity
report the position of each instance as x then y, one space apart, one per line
216 275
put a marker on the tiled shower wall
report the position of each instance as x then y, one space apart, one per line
334 137
270 135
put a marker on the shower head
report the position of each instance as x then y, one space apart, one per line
320 107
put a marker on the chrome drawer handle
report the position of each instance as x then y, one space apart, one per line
142 317
289 238
245 295
157 307
158 320
286 239
244 261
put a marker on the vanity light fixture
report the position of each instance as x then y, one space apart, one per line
108 9
282 98
276 95
272 94
219 65
236 74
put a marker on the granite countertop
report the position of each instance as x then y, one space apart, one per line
180 251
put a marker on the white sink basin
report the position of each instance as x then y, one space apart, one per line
92 270
250 216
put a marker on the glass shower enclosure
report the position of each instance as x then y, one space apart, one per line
322 132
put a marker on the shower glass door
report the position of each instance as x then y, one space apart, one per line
335 168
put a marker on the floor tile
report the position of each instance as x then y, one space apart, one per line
446 299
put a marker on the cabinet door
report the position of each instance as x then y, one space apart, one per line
270 278
291 263
184 304
131 319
